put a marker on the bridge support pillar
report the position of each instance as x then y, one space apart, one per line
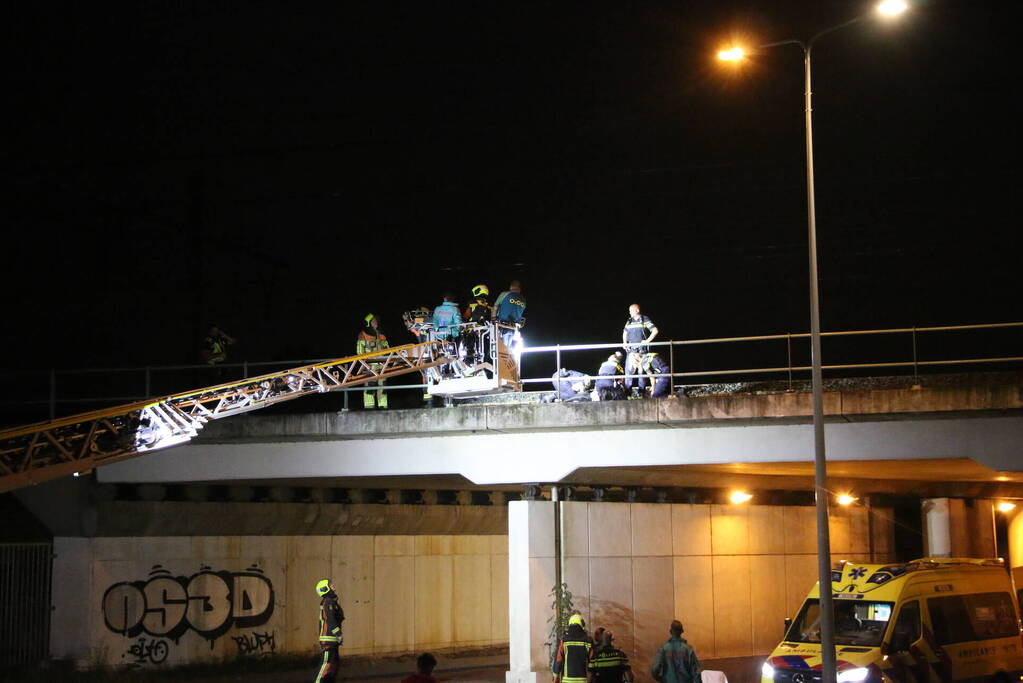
530 581
937 527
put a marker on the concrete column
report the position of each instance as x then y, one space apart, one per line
530 580
937 528
1016 539
71 587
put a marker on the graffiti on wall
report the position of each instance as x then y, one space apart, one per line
255 643
145 650
208 602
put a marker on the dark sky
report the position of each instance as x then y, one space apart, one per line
284 168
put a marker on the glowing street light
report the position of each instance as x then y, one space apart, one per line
845 499
1006 506
887 8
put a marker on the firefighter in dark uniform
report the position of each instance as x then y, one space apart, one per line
331 616
610 665
573 657
653 364
639 330
480 313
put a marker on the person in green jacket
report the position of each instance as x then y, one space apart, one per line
676 661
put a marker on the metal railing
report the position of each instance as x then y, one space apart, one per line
55 389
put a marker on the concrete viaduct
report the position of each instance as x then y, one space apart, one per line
668 546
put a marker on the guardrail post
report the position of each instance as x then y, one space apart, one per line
149 382
557 371
788 343
53 394
915 369
671 365
245 369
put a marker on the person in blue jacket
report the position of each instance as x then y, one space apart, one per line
510 309
445 317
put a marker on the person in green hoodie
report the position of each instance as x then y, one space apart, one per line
676 660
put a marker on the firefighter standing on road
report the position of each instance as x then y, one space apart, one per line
371 339
639 330
331 616
570 664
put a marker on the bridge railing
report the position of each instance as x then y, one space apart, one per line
912 354
46 394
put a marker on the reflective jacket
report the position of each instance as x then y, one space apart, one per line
370 340
609 665
444 317
638 329
573 656
478 312
331 616
510 307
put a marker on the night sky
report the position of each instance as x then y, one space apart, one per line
281 169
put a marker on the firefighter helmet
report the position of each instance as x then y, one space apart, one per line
369 318
577 619
480 290
323 587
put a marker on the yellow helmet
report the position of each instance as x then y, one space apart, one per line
369 318
323 587
577 619
480 290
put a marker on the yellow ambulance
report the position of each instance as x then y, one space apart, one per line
926 621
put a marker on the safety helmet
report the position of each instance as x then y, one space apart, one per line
323 587
369 318
480 290
576 619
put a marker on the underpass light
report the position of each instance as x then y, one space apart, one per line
1005 506
845 499
738 497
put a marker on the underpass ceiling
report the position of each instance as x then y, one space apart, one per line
956 477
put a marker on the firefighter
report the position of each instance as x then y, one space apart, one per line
609 664
371 339
480 313
331 616
638 331
653 364
570 663
611 389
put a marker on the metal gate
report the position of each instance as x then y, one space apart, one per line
25 570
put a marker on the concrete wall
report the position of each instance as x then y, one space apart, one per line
730 573
163 601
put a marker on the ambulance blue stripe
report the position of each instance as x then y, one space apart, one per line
795 662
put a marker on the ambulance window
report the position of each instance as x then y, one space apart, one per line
980 616
907 626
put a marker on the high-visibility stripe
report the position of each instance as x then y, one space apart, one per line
324 667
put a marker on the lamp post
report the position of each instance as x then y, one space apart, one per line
827 618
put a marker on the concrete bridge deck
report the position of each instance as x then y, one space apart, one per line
977 418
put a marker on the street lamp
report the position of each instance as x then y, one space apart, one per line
887 8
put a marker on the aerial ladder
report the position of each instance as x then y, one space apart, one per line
80 443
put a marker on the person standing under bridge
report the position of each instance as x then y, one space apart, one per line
331 616
370 340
